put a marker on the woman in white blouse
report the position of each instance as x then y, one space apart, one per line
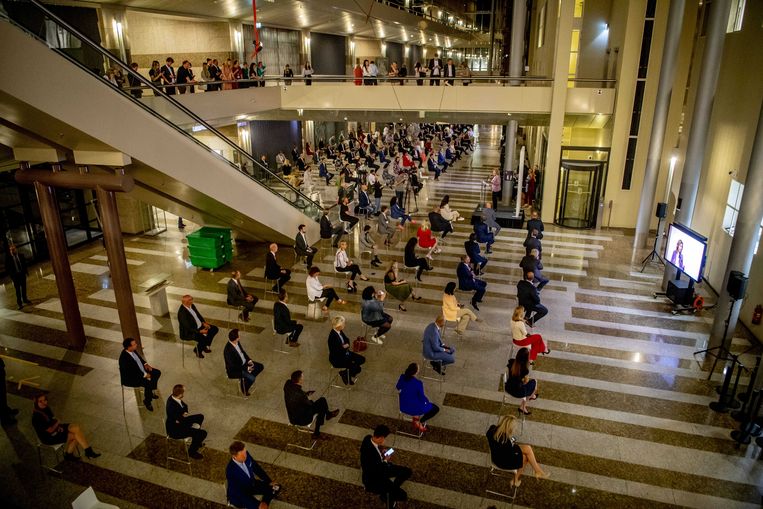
446 212
315 290
343 263
522 338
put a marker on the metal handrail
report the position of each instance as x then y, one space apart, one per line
148 85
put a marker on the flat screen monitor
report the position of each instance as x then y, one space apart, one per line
685 250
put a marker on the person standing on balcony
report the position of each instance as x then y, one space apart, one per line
307 73
435 69
185 77
168 76
357 72
450 72
366 70
287 73
227 75
374 73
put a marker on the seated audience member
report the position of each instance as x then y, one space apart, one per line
439 223
529 298
193 327
453 311
506 454
483 235
273 271
522 338
238 365
372 312
316 290
531 263
384 227
345 215
364 202
135 372
329 231
238 296
398 212
426 240
534 223
413 401
367 243
519 383
282 322
180 424
246 479
342 263
340 354
533 242
468 281
435 351
446 212
52 432
488 217
301 409
302 248
400 289
472 249
378 471
411 260
323 171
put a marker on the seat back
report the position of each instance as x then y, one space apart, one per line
86 500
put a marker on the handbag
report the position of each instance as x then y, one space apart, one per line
359 344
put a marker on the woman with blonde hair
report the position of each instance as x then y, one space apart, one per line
227 75
522 338
507 454
426 239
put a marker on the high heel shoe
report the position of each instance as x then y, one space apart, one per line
401 308
526 412
90 453
548 351
542 475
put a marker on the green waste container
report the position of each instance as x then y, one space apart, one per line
210 247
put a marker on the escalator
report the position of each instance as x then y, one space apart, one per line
61 91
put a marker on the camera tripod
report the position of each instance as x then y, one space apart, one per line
650 258
407 198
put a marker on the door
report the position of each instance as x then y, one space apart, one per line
578 194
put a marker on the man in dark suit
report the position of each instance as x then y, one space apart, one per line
185 77
238 364
214 74
274 271
468 281
340 354
282 322
136 372
529 298
534 223
180 424
133 81
450 72
302 248
168 76
435 69
472 249
15 265
329 231
530 263
532 242
193 327
378 471
439 223
301 409
238 296
247 479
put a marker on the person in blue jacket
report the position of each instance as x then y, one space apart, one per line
437 353
246 479
413 401
484 236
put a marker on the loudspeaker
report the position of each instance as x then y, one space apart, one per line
679 292
662 210
737 285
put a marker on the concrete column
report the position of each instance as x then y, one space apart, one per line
661 106
550 173
746 235
508 160
120 277
518 18
59 260
703 107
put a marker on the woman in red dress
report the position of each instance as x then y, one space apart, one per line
426 239
358 73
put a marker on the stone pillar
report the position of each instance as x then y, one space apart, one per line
661 106
59 260
746 235
508 160
516 62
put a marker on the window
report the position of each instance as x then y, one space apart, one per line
573 67
579 8
542 26
735 16
733 203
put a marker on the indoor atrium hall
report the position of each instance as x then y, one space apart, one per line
345 254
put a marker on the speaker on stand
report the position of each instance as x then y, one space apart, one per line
654 256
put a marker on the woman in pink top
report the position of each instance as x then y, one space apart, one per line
495 186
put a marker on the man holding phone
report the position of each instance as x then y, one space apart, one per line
378 470
301 409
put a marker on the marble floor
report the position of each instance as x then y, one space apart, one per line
622 419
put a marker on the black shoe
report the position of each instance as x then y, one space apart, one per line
345 377
195 455
149 406
437 367
198 353
474 305
90 453
154 396
275 288
21 306
27 301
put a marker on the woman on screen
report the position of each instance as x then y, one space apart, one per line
677 258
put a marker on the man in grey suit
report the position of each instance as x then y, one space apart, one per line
385 228
488 217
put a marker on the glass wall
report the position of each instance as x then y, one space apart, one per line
279 47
